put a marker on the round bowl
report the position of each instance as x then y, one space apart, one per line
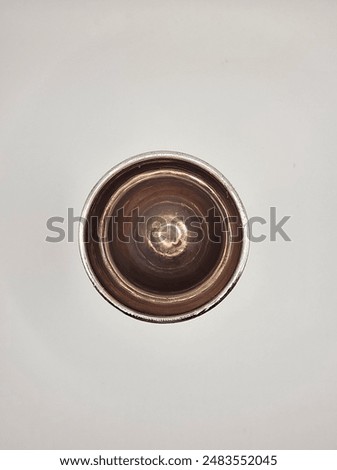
163 237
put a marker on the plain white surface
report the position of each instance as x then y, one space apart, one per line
249 86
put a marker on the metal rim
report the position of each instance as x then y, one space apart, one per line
245 242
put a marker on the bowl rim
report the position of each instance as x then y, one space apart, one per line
175 155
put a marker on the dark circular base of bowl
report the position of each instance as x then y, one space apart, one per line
164 236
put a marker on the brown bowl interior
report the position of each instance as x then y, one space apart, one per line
163 237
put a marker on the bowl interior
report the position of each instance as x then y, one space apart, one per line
162 237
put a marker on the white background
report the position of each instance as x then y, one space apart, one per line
250 87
